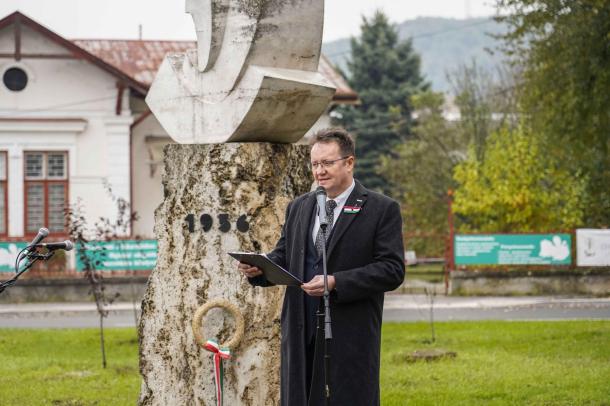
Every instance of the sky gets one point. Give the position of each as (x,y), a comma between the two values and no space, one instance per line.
(166,19)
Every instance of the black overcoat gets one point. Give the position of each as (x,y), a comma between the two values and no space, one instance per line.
(366,256)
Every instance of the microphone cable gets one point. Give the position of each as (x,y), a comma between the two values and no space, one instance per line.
(11,282)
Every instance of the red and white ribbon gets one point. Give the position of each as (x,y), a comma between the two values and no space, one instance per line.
(219,355)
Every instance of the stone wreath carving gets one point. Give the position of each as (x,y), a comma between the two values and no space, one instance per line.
(230,308)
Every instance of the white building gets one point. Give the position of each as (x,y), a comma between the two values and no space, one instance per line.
(73,122)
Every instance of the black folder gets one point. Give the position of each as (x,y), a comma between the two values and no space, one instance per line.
(272,271)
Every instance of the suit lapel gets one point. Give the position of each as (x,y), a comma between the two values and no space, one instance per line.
(356,199)
(304,230)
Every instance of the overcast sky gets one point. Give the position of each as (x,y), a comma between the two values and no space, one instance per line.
(165,19)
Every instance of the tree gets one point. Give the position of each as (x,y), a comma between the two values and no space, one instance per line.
(563,50)
(421,172)
(516,188)
(105,230)
(486,101)
(386,73)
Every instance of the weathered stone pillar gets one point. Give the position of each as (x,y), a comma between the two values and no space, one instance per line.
(218,198)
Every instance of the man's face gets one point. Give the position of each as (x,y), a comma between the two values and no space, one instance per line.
(335,177)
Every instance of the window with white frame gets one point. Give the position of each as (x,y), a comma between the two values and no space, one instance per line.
(46,191)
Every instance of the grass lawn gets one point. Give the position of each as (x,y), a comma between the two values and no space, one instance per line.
(497,363)
(64,367)
(432,273)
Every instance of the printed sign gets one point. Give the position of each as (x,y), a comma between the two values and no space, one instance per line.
(119,255)
(513,249)
(8,255)
(592,247)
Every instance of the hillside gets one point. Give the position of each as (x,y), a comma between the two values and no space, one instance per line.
(443,44)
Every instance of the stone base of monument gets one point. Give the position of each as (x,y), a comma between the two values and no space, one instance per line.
(218,198)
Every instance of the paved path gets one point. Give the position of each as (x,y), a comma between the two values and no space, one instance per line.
(417,308)
(397,307)
(65,315)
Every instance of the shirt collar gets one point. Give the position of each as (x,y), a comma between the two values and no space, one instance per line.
(342,198)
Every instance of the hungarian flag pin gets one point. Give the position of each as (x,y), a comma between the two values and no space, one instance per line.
(351,209)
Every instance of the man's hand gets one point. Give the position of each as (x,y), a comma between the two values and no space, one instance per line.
(315,287)
(249,270)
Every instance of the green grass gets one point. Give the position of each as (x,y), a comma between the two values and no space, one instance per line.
(497,363)
(432,273)
(426,268)
(64,367)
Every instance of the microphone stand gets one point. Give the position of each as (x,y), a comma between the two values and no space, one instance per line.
(328,334)
(32,257)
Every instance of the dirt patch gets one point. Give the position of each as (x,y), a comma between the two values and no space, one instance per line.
(425,356)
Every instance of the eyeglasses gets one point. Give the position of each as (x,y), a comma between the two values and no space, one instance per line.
(326,164)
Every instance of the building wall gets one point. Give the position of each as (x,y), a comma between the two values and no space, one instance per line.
(148,140)
(324,121)
(68,105)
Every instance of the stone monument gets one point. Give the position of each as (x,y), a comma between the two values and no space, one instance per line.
(253,82)
(253,77)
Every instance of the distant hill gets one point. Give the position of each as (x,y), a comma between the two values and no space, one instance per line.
(443,44)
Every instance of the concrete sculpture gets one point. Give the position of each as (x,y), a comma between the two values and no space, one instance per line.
(253,77)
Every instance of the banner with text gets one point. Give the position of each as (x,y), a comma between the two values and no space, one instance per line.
(8,255)
(119,255)
(513,249)
(592,247)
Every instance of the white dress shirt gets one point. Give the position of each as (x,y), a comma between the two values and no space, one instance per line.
(340,200)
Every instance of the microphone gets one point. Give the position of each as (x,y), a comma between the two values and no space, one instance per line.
(321,198)
(42,233)
(51,246)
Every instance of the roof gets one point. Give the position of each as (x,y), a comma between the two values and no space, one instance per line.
(140,60)
(18,19)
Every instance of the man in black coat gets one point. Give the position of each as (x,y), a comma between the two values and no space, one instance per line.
(365,257)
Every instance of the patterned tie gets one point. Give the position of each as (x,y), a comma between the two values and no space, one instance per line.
(330,215)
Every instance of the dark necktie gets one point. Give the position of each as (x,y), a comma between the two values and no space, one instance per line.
(330,215)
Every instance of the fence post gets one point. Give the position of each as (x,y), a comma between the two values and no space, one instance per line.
(449,255)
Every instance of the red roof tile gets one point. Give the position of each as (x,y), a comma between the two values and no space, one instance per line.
(141,59)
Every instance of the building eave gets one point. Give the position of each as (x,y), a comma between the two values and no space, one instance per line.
(78,52)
